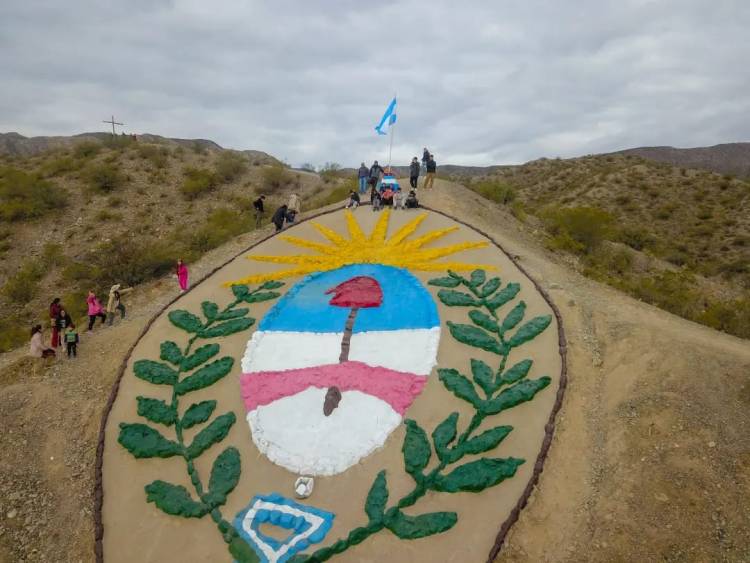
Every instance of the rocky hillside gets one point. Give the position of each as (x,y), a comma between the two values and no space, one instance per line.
(93,211)
(729,158)
(673,236)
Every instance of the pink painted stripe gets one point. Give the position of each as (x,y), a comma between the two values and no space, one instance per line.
(397,388)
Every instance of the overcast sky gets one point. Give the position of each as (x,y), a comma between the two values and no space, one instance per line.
(478,82)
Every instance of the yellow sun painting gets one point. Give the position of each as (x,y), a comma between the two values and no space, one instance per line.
(360,248)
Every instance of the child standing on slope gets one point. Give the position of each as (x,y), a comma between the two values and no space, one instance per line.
(71,340)
(95,309)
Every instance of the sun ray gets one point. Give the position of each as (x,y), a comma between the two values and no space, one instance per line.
(360,248)
(381,228)
(406,230)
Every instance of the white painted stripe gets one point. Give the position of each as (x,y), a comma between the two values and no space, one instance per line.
(408,350)
(294,433)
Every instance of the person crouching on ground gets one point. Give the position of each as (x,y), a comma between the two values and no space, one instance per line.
(114,304)
(293,208)
(36,348)
(279,217)
(398,199)
(71,340)
(411,200)
(353,200)
(414,172)
(95,310)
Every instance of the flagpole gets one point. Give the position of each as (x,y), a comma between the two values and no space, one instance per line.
(390,147)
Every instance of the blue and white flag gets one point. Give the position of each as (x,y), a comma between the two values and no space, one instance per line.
(388,119)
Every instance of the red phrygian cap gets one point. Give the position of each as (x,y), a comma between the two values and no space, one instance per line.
(360,292)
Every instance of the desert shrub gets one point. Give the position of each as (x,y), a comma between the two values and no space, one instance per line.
(732,316)
(307,167)
(606,262)
(198,147)
(14,331)
(22,286)
(118,142)
(330,171)
(25,196)
(673,291)
(335,194)
(587,226)
(518,210)
(114,201)
(104,178)
(5,244)
(75,304)
(230,166)
(80,272)
(274,178)
(157,156)
(86,149)
(106,215)
(220,226)
(52,255)
(198,181)
(60,165)
(636,238)
(130,260)
(497,191)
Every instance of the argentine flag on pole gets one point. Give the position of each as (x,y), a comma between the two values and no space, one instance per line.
(388,119)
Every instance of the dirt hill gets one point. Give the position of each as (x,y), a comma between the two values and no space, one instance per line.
(95,211)
(728,158)
(650,459)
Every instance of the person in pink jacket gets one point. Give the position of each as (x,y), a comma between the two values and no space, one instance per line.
(95,309)
(182,275)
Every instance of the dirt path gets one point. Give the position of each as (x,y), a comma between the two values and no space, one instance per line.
(651,458)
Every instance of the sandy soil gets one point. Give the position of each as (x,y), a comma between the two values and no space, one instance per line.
(650,461)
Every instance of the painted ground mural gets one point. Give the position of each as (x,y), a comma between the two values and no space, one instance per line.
(362,384)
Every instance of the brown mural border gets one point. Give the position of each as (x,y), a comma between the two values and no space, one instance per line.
(549,428)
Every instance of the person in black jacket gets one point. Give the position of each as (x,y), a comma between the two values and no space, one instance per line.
(353,200)
(376,172)
(258,206)
(414,172)
(425,157)
(279,217)
(431,170)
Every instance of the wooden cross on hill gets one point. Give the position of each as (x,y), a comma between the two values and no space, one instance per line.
(113,122)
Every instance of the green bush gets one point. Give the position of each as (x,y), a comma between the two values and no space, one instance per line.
(26,196)
(587,226)
(104,178)
(496,191)
(198,181)
(86,149)
(274,178)
(330,171)
(53,255)
(220,226)
(156,155)
(636,238)
(230,166)
(129,260)
(336,194)
(60,165)
(14,331)
(21,287)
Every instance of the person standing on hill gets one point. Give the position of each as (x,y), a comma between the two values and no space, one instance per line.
(413,172)
(375,172)
(71,341)
(258,206)
(182,275)
(431,170)
(54,311)
(425,157)
(278,218)
(94,310)
(362,175)
(293,208)
(114,304)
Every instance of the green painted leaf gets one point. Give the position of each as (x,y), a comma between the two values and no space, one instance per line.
(482,320)
(272,285)
(377,498)
(175,500)
(197,413)
(210,309)
(474,336)
(454,298)
(261,296)
(185,320)
(530,330)
(225,474)
(413,527)
(227,328)
(484,376)
(201,355)
(154,372)
(211,434)
(416,449)
(170,352)
(486,440)
(514,317)
(490,287)
(503,296)
(516,373)
(207,375)
(143,441)
(459,385)
(240,291)
(512,396)
(240,549)
(444,434)
(445,282)
(478,475)
(477,278)
(233,314)
(156,410)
